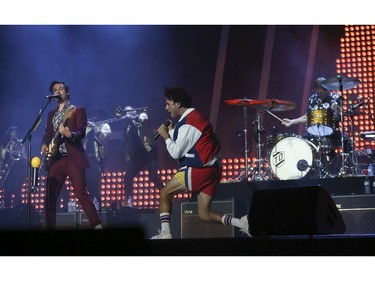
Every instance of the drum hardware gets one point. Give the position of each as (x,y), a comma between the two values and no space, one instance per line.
(288,156)
(340,83)
(260,170)
(355,168)
(317,164)
(351,113)
(302,165)
(320,122)
(244,103)
(368,135)
(266,104)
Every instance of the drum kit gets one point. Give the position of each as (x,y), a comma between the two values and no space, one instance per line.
(294,157)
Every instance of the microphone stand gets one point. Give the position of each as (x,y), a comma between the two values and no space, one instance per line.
(100,146)
(28,138)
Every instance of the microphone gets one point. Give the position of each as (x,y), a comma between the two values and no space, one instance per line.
(57,97)
(358,105)
(166,123)
(35,164)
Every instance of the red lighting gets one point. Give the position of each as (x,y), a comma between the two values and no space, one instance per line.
(362,37)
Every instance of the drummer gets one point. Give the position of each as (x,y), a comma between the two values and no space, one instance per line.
(321,99)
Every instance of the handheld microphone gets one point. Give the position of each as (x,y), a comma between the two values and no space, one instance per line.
(57,97)
(166,123)
(35,164)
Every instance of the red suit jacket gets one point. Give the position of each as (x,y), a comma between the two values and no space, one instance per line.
(77,124)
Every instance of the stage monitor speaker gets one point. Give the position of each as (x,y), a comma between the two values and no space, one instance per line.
(74,220)
(294,211)
(192,227)
(64,221)
(358,212)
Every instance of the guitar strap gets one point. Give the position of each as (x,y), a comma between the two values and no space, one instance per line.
(66,113)
(70,108)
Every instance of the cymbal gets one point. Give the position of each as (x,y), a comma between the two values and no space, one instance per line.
(280,105)
(334,83)
(268,104)
(239,102)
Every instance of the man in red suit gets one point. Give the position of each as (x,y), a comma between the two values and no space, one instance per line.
(65,156)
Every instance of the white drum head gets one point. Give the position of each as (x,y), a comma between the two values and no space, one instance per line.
(320,130)
(287,155)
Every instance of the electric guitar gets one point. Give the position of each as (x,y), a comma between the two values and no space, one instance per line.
(50,157)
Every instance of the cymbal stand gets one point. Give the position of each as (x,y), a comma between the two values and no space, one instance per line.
(246,145)
(244,172)
(356,168)
(261,171)
(348,165)
(259,131)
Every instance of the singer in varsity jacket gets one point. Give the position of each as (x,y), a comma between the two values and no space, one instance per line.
(195,146)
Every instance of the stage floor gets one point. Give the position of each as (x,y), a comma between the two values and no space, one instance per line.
(129,242)
(127,231)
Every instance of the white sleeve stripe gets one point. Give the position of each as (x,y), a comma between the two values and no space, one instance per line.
(187,137)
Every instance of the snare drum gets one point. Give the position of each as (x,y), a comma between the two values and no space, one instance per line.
(292,158)
(320,122)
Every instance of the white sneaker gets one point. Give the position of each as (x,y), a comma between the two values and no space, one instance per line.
(98,227)
(162,235)
(245,225)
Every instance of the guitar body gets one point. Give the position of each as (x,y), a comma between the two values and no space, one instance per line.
(50,157)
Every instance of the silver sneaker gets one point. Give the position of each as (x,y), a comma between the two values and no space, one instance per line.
(245,225)
(162,235)
(98,227)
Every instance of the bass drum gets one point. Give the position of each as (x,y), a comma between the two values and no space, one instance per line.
(292,158)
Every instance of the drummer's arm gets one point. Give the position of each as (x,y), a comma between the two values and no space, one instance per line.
(289,122)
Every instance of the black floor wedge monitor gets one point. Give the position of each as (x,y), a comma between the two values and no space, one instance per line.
(294,211)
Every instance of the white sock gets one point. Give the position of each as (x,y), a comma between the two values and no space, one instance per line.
(229,220)
(165,220)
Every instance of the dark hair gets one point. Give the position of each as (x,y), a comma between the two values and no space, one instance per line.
(12,128)
(54,82)
(6,136)
(318,83)
(178,95)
